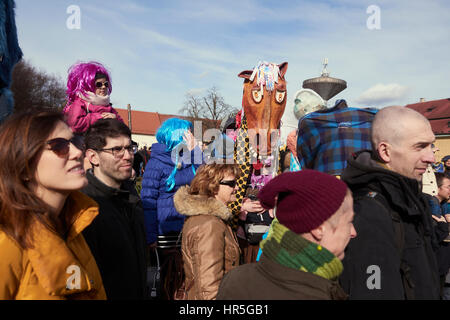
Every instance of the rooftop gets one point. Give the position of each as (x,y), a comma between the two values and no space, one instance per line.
(147,123)
(437,112)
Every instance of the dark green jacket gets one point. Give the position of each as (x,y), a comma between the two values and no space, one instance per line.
(269,280)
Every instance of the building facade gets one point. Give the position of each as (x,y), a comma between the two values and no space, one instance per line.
(145,124)
(438,113)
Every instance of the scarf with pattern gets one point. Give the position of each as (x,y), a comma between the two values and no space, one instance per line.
(293,251)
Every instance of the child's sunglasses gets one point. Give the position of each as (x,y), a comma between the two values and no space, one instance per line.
(61,146)
(100,84)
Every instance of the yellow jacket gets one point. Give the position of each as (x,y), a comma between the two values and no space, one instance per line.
(54,269)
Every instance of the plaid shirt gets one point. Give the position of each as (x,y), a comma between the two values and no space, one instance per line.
(327,138)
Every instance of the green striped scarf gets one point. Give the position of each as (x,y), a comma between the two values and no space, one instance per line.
(293,251)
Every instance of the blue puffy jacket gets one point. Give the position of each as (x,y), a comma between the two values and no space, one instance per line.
(159,211)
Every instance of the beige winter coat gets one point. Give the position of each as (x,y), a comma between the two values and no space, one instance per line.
(209,246)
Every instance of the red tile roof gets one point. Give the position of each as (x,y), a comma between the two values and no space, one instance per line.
(145,122)
(437,112)
(148,123)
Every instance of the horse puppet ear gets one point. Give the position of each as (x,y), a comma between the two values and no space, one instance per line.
(283,68)
(248,73)
(245,74)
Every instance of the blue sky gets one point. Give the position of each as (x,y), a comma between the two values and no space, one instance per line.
(157,51)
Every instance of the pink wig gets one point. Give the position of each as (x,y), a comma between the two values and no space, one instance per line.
(81,79)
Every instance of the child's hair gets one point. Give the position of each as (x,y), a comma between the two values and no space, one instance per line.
(82,76)
(171,134)
(440,176)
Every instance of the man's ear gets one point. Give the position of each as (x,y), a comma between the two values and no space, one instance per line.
(384,151)
(318,232)
(93,157)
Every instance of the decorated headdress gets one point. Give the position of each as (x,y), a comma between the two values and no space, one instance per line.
(266,75)
(81,79)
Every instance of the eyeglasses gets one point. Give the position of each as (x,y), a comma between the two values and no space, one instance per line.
(61,146)
(118,152)
(100,84)
(230,183)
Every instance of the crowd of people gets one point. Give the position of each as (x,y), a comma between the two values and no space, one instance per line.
(73,225)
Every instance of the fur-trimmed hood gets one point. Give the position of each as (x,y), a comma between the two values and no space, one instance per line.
(193,205)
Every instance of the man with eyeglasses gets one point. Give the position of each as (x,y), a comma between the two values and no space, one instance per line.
(116,237)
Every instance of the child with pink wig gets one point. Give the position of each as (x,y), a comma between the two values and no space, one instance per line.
(88,91)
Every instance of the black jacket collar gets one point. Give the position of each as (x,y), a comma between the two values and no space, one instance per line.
(97,188)
(363,172)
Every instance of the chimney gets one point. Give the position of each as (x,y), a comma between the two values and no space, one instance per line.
(129,116)
(422,100)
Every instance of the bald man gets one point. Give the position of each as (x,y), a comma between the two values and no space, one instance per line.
(393,256)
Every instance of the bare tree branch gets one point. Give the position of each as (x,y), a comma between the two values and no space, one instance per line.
(192,106)
(211,106)
(35,89)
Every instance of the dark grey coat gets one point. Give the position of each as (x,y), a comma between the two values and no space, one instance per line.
(375,250)
(269,280)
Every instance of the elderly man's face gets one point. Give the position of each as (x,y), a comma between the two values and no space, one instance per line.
(339,229)
(412,153)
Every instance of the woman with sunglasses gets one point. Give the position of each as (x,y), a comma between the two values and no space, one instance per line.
(88,91)
(43,254)
(209,246)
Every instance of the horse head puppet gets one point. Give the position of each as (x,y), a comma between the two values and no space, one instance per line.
(264,101)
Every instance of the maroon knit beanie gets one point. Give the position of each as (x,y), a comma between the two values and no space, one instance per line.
(306,198)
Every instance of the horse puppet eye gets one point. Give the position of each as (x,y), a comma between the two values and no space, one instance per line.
(257,95)
(279,96)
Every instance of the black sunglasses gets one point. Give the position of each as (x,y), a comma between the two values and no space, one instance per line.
(100,84)
(61,146)
(230,183)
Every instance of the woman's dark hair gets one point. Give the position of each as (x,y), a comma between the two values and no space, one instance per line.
(440,176)
(95,137)
(22,140)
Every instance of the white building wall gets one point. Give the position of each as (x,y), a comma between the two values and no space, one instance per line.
(143,140)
